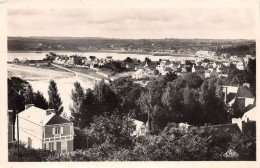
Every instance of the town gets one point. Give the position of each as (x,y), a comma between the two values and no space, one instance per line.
(183,102)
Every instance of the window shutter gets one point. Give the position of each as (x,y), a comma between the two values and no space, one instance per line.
(53,131)
(61,130)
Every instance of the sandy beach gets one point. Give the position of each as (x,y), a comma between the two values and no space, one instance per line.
(39,79)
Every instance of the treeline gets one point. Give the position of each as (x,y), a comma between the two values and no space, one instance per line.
(93,44)
(239,50)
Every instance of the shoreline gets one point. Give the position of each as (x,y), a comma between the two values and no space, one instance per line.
(110,51)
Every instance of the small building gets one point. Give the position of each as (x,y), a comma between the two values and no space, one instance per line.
(140,74)
(43,129)
(241,94)
(76,60)
(108,59)
(16,60)
(39,63)
(240,65)
(140,128)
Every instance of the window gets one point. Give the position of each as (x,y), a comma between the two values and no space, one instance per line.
(44,146)
(57,130)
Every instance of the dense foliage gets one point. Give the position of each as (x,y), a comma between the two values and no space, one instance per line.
(27,154)
(239,50)
(173,144)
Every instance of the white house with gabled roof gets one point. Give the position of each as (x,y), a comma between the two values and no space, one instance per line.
(43,129)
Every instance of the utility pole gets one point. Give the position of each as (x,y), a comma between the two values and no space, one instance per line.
(17,135)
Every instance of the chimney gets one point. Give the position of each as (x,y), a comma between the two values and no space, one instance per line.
(49,111)
(28,106)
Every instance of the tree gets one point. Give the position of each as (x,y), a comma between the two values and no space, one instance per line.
(77,96)
(128,60)
(251,67)
(54,98)
(28,94)
(90,108)
(156,72)
(108,100)
(39,100)
(122,86)
(212,104)
(148,60)
(112,129)
(170,76)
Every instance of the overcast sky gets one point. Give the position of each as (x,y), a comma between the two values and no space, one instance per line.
(220,23)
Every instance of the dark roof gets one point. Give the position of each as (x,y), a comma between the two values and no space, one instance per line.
(224,69)
(175,67)
(200,69)
(230,97)
(152,65)
(167,62)
(243,91)
(222,129)
(214,73)
(249,107)
(57,120)
(168,69)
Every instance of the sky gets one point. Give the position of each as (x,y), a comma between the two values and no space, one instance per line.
(134,23)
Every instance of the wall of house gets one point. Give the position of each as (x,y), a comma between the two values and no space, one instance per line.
(48,130)
(70,145)
(30,130)
(249,101)
(249,128)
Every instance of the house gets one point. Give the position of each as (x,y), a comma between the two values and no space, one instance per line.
(204,64)
(233,58)
(140,128)
(16,60)
(140,74)
(43,129)
(241,94)
(108,59)
(247,58)
(240,65)
(193,69)
(245,125)
(10,126)
(250,115)
(76,60)
(39,63)
(226,63)
(198,69)
(150,66)
(238,126)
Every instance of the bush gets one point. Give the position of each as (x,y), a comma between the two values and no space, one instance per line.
(27,154)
